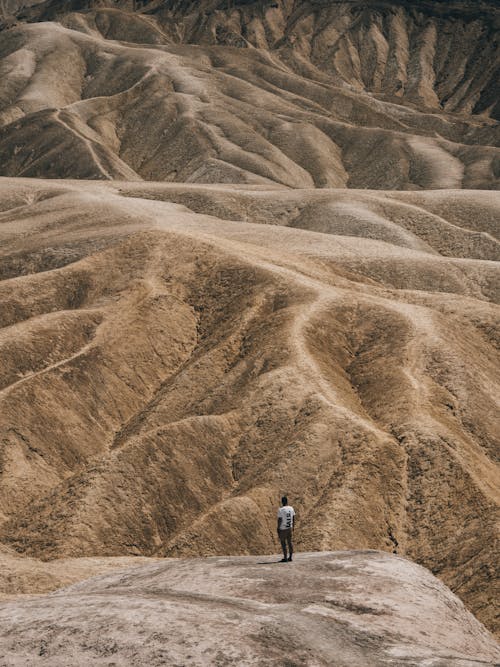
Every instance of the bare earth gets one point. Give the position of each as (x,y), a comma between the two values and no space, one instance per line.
(338,609)
(169,374)
(400,95)
(249,251)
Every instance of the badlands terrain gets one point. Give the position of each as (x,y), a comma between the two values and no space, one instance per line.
(247,249)
(382,95)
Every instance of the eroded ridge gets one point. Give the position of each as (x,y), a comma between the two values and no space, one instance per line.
(166,374)
(302,94)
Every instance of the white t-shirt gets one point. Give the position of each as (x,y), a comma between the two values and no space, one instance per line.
(286,514)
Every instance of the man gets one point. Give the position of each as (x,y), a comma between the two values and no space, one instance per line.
(286,523)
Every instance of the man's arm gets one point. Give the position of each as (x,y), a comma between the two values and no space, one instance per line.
(279,524)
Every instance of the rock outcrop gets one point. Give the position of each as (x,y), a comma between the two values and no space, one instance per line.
(332,609)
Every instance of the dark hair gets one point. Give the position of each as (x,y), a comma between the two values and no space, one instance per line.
(284,500)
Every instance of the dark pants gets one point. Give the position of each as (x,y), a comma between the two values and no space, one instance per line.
(286,538)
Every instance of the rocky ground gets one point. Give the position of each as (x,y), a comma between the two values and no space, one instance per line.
(338,609)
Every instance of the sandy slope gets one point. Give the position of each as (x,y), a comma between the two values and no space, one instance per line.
(168,374)
(338,609)
(23,576)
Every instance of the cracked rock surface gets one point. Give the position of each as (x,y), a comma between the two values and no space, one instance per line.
(361,608)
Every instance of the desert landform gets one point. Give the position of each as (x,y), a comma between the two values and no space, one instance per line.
(247,249)
(361,608)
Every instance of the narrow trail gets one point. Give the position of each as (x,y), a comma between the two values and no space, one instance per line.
(309,367)
(15,385)
(133,426)
(32,326)
(323,297)
(87,142)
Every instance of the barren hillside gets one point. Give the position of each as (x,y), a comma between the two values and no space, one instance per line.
(325,94)
(275,269)
(167,374)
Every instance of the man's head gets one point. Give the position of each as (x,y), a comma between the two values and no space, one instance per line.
(284,501)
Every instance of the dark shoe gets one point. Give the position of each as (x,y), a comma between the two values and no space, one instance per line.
(290,558)
(283,560)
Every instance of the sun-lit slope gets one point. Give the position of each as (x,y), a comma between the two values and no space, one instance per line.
(439,54)
(362,608)
(166,374)
(21,575)
(436,54)
(332,97)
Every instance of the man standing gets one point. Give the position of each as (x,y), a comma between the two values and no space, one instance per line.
(286,523)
